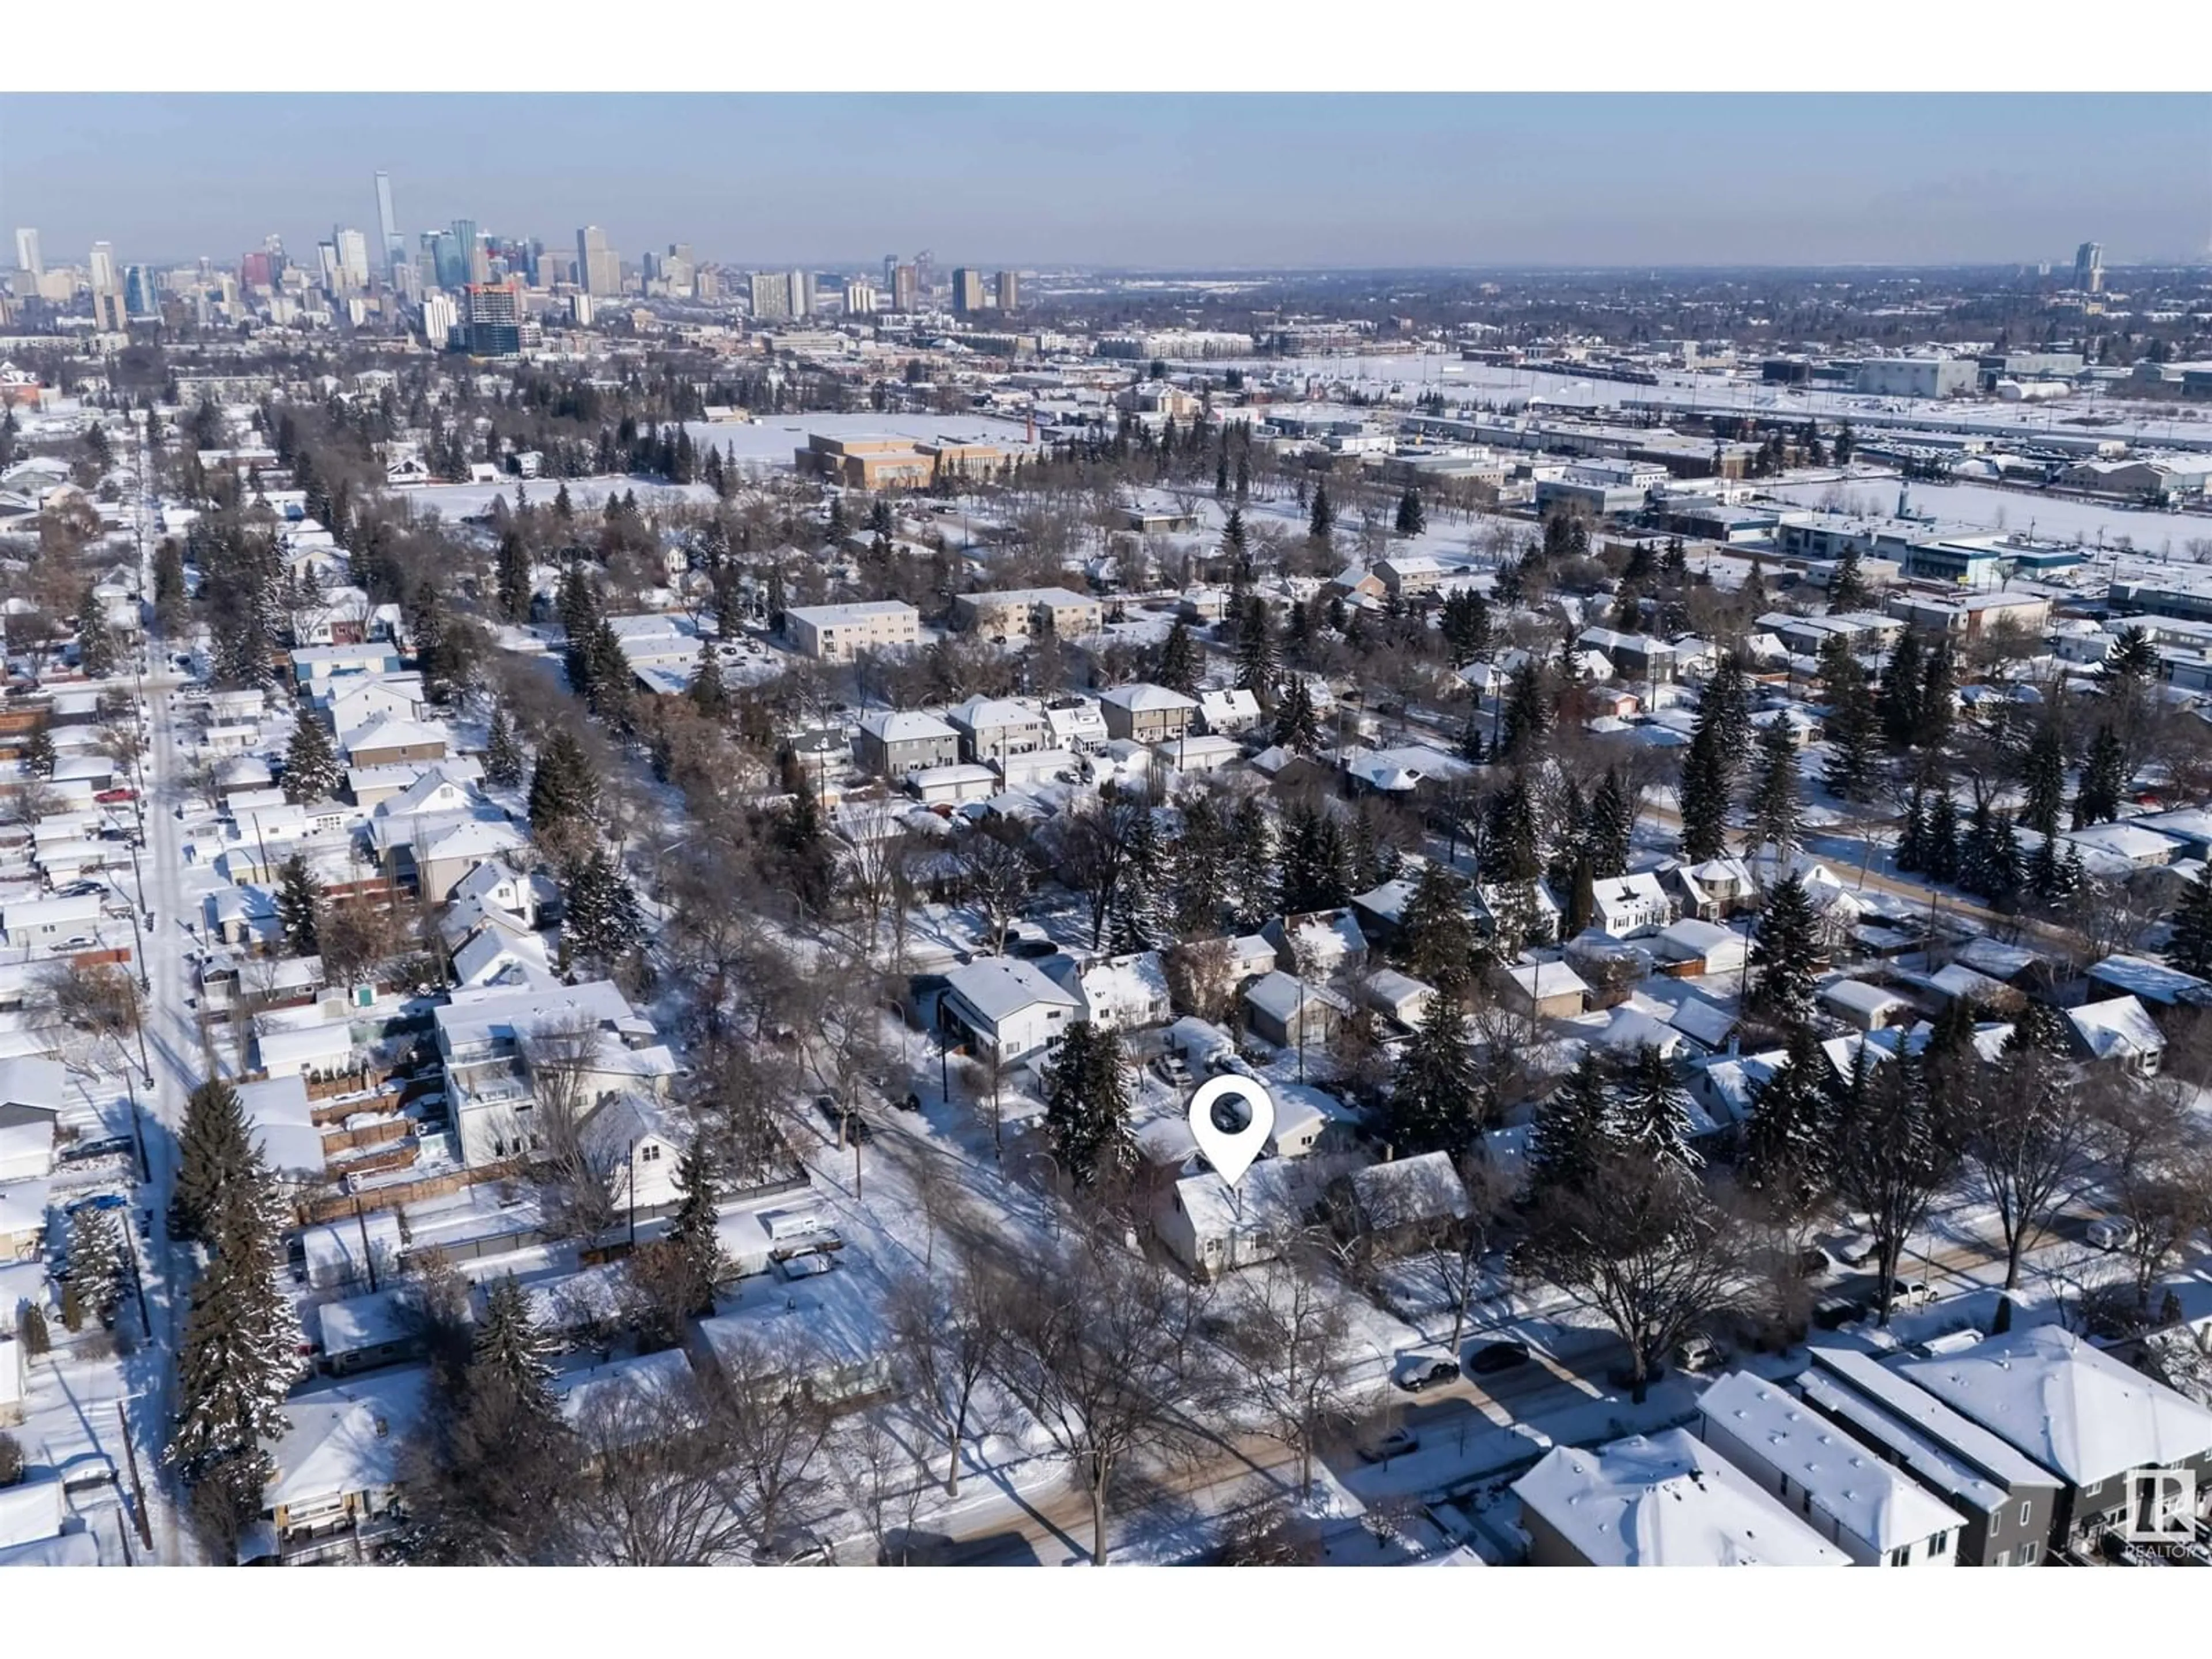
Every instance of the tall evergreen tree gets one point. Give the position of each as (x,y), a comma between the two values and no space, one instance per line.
(299,905)
(96,1264)
(312,772)
(1252,853)
(1777,808)
(1141,916)
(239,1356)
(1437,935)
(1651,1109)
(1787,947)
(214,1150)
(1297,727)
(1904,682)
(1178,666)
(96,642)
(1529,711)
(1611,826)
(563,789)
(1787,1135)
(514,580)
(1940,854)
(1323,519)
(1571,1130)
(2104,780)
(502,755)
(1087,1106)
(1412,518)
(2043,770)
(707,693)
(1432,1093)
(1847,587)
(1853,727)
(2189,949)
(1257,662)
(1702,792)
(601,922)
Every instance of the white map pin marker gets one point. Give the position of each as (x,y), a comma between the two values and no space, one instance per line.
(1231,1117)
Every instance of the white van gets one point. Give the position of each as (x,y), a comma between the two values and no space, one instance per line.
(2113,1233)
(791,1224)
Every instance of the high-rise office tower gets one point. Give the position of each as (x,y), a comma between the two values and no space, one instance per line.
(390,246)
(598,267)
(457,255)
(1010,291)
(859,299)
(682,251)
(903,287)
(890,272)
(771,295)
(967,291)
(140,297)
(353,257)
(326,267)
(802,293)
(103,266)
(440,316)
(925,274)
(26,253)
(495,318)
(2089,267)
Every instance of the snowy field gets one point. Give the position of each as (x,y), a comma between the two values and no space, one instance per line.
(1412,373)
(2163,535)
(452,502)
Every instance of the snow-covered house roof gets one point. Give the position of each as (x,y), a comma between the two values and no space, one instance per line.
(905,725)
(345,1439)
(2069,1406)
(2152,981)
(1866,1496)
(1000,987)
(2118,1028)
(1410,1191)
(277,1113)
(1666,1500)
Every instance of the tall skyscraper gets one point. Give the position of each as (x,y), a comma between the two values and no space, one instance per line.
(2089,267)
(390,246)
(457,257)
(904,290)
(859,299)
(771,296)
(890,272)
(27,257)
(140,298)
(967,291)
(327,274)
(495,319)
(1010,290)
(598,267)
(802,293)
(440,316)
(103,266)
(353,257)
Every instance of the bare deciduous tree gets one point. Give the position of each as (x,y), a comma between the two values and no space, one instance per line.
(947,1339)
(1095,1353)
(1291,1342)
(1643,1248)
(577,1170)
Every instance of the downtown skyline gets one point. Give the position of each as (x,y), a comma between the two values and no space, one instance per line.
(1137,181)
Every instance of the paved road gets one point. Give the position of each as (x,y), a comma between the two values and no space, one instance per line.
(172,1039)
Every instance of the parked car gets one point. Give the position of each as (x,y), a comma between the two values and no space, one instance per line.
(1855,1250)
(1834,1312)
(1495,1356)
(97,1201)
(1910,1290)
(842,1123)
(1697,1352)
(2111,1233)
(1397,1444)
(115,797)
(1426,1372)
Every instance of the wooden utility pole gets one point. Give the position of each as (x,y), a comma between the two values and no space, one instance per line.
(137,1488)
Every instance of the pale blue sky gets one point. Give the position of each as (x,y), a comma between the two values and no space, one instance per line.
(1139,179)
